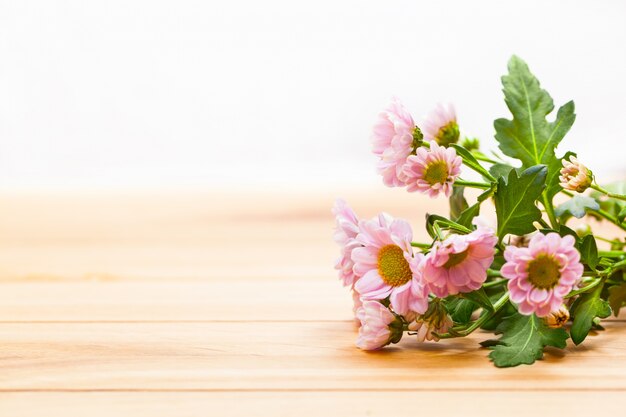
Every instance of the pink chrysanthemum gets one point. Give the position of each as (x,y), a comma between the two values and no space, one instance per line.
(543,273)
(460,262)
(346,230)
(379,326)
(356,305)
(432,171)
(441,126)
(574,175)
(392,141)
(387,266)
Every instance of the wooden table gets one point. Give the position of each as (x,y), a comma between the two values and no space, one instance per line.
(226,304)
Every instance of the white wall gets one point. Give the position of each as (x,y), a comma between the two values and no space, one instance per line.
(174,93)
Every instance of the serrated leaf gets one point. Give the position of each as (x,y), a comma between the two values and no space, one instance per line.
(458,203)
(515,201)
(553,185)
(589,251)
(523,339)
(585,309)
(617,298)
(529,137)
(577,206)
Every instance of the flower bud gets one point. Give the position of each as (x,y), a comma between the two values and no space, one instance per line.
(583,230)
(435,321)
(575,176)
(471,144)
(557,318)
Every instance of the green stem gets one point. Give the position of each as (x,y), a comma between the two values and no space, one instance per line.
(421,245)
(494,273)
(610,218)
(613,242)
(608,193)
(481,157)
(584,289)
(547,204)
(495,283)
(481,185)
(611,253)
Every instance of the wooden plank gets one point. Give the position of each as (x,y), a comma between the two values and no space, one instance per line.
(303,404)
(255,299)
(280,355)
(164,301)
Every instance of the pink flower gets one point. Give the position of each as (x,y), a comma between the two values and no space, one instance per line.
(393,142)
(346,229)
(574,175)
(379,326)
(460,262)
(356,305)
(432,171)
(441,126)
(387,266)
(543,273)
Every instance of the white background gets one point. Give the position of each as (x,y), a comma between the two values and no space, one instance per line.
(281,93)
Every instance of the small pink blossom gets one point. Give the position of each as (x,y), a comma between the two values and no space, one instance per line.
(432,171)
(543,273)
(346,230)
(376,328)
(386,265)
(574,175)
(392,141)
(460,262)
(441,126)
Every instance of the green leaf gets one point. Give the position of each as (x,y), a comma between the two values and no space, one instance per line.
(529,137)
(589,251)
(523,339)
(585,309)
(617,298)
(461,309)
(466,217)
(577,206)
(515,201)
(500,170)
(458,203)
(479,297)
(553,185)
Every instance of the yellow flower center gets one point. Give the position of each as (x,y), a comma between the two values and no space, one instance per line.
(455,258)
(448,134)
(393,267)
(436,172)
(544,272)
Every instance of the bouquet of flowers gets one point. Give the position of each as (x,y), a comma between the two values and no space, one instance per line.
(525,278)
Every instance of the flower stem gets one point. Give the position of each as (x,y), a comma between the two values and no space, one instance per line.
(608,193)
(547,204)
(611,253)
(609,217)
(421,245)
(481,185)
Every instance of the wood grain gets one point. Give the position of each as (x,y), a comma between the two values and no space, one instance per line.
(184,303)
